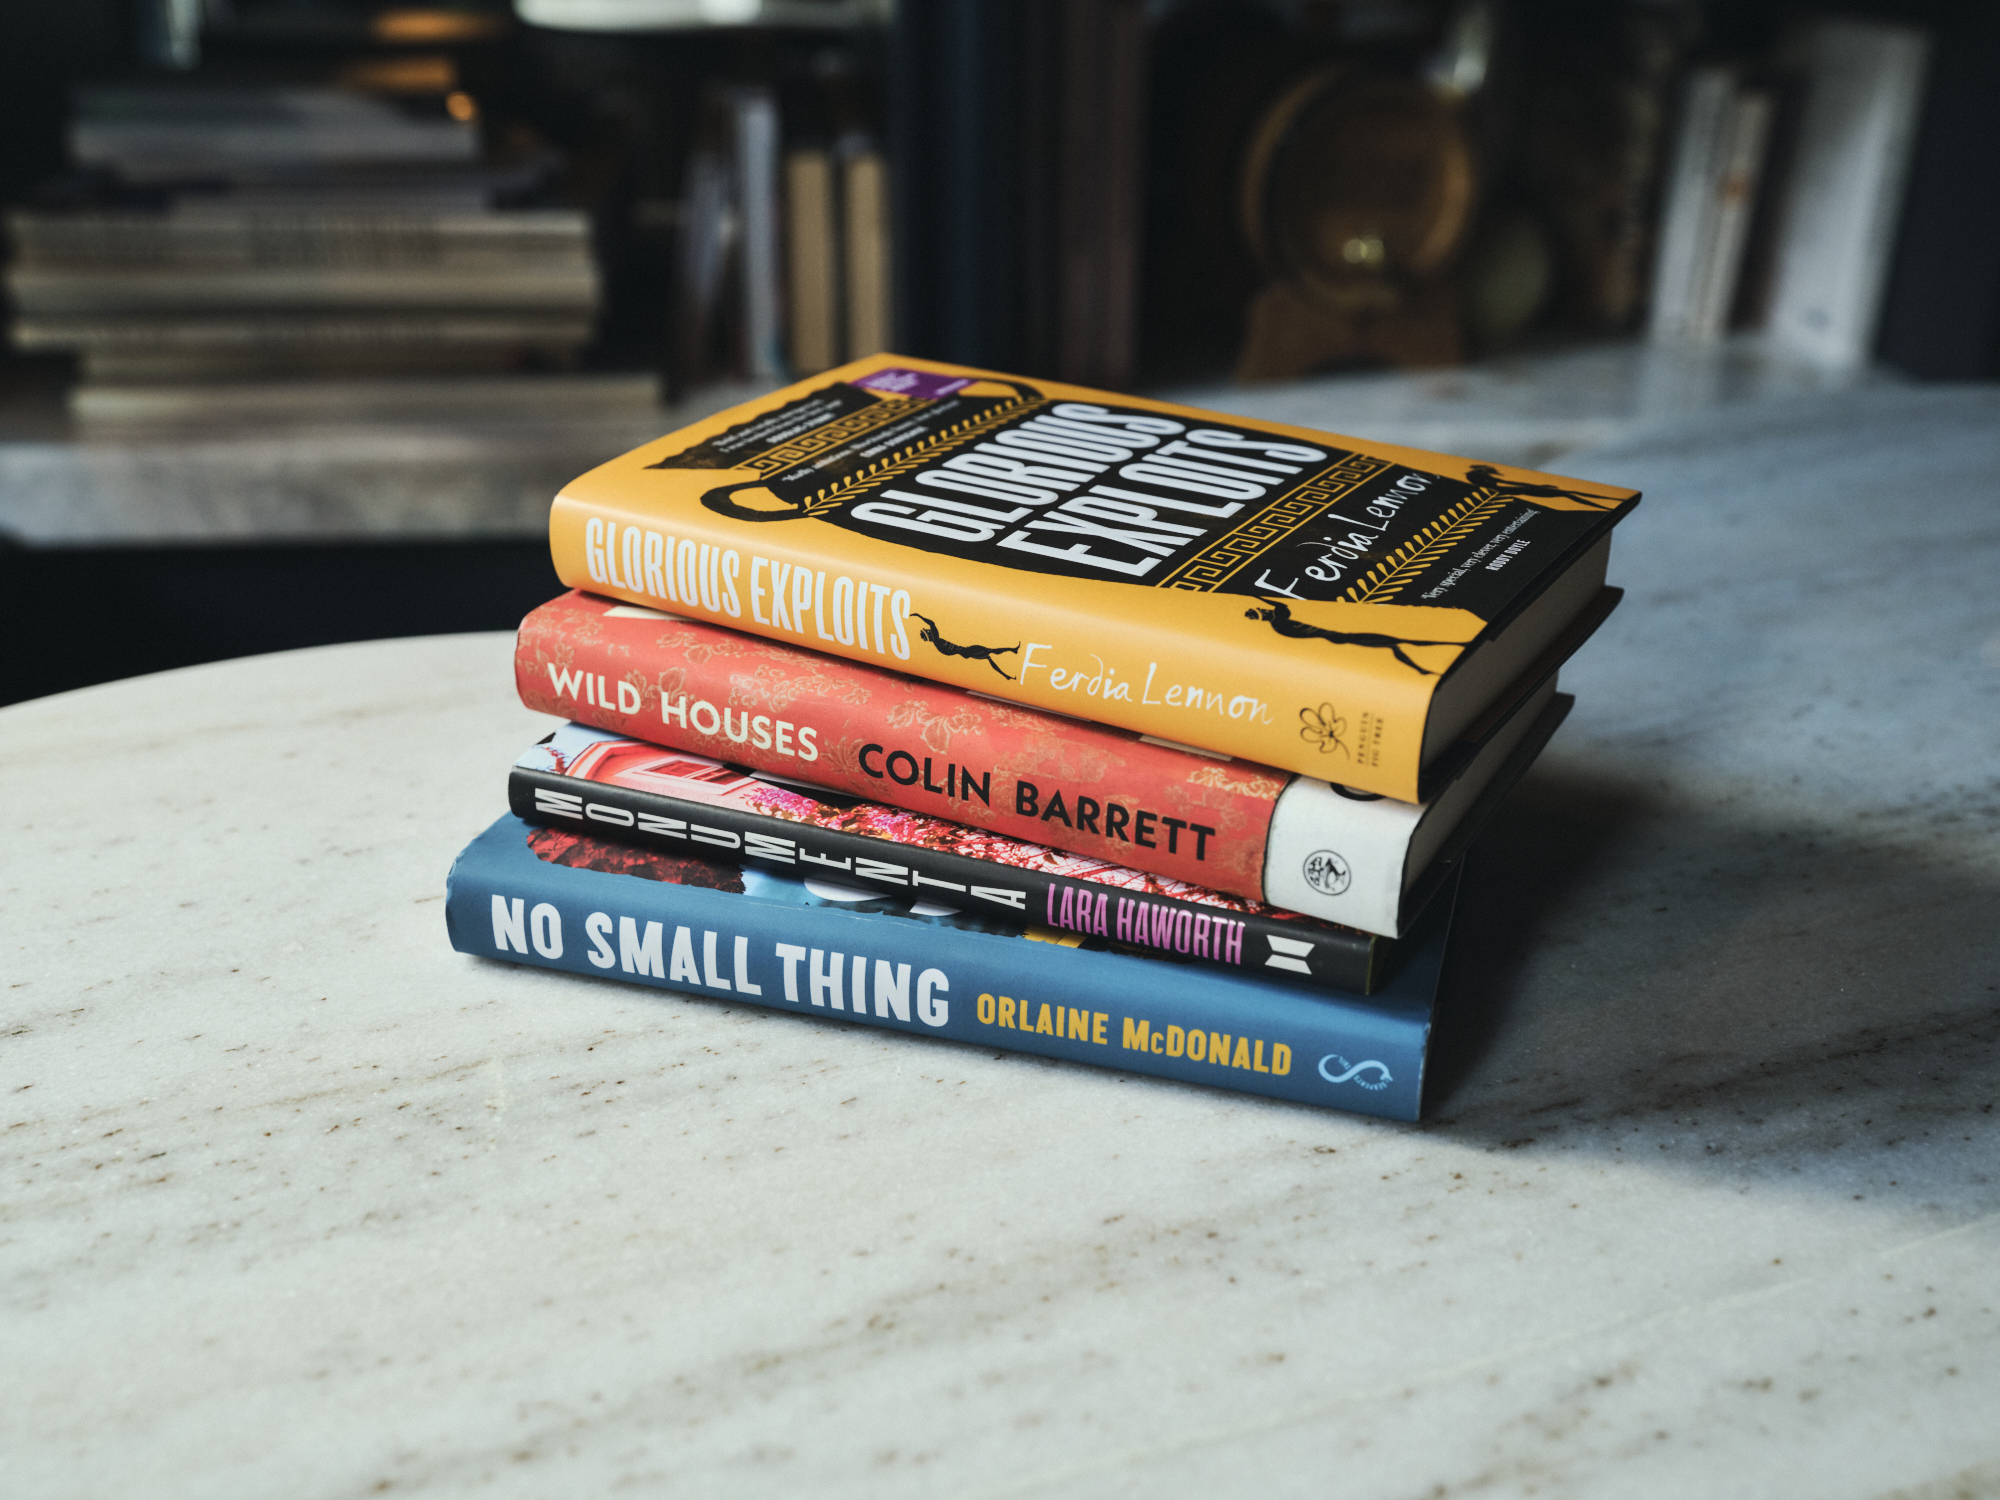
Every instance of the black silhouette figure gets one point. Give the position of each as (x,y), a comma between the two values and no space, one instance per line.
(929,635)
(1279,617)
(1479,476)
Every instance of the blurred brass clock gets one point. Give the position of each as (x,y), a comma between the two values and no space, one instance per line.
(1355,185)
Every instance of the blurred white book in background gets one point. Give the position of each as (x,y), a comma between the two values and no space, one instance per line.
(690,15)
(1687,220)
(1734,197)
(755,113)
(1865,86)
(1711,191)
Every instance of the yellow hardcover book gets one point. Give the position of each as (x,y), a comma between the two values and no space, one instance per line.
(1349,610)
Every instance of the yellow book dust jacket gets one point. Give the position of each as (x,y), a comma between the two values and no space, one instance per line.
(1310,601)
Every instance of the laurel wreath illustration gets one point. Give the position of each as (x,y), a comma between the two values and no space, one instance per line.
(1401,567)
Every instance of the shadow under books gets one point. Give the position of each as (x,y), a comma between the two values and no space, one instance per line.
(1681,984)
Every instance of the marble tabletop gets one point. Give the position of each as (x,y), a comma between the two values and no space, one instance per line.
(479,457)
(298,1201)
(329,461)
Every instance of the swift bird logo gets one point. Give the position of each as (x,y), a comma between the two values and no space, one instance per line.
(1278,615)
(1322,727)
(1353,1071)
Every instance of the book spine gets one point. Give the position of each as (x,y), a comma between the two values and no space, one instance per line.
(811,306)
(865,231)
(1300,949)
(1105,1009)
(399,242)
(756,118)
(227,332)
(39,290)
(1039,777)
(1736,192)
(1688,225)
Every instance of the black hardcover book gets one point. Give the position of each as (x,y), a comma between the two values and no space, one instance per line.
(595,781)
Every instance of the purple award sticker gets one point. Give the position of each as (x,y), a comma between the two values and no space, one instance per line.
(915,383)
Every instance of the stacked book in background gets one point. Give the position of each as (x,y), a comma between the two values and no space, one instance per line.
(1784,192)
(1022,714)
(218,234)
(783,236)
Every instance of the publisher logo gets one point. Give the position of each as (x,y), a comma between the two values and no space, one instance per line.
(1327,873)
(1370,1075)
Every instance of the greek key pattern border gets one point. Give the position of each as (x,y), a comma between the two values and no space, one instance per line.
(855,424)
(1212,568)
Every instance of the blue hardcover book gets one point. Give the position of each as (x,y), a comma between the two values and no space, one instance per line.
(564,900)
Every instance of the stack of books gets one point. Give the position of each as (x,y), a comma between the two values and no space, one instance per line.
(224,234)
(933,700)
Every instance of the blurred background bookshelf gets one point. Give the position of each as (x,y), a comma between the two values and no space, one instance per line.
(313,304)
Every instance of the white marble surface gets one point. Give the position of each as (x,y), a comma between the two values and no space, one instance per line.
(1536,407)
(476,457)
(328,460)
(294,1200)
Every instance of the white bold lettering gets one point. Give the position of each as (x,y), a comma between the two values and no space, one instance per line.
(683,969)
(933,1010)
(545,930)
(826,979)
(637,954)
(892,990)
(597,927)
(793,956)
(510,928)
(899,610)
(743,984)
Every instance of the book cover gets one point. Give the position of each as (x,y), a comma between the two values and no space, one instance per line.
(595,781)
(1233,826)
(723,930)
(1325,605)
